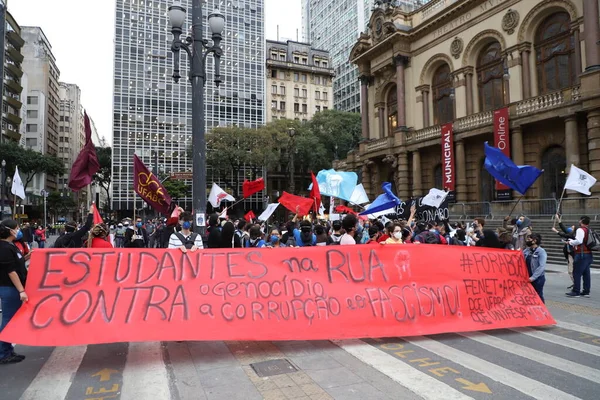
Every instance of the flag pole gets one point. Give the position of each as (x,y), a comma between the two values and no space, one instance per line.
(558,207)
(515,206)
(134,201)
(15,207)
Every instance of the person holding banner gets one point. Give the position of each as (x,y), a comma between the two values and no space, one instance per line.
(275,239)
(229,237)
(396,237)
(13,275)
(186,239)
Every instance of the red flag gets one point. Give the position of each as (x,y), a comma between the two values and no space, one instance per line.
(345,210)
(250,216)
(301,205)
(97,217)
(315,192)
(86,164)
(249,188)
(149,188)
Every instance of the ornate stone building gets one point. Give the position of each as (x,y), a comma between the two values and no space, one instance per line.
(444,69)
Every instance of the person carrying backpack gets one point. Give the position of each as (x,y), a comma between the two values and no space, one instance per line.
(255,238)
(73,238)
(583,243)
(186,239)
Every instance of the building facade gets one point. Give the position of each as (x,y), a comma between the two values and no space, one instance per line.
(12,102)
(152,114)
(299,81)
(434,80)
(43,104)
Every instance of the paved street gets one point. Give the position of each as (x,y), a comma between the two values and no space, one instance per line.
(561,362)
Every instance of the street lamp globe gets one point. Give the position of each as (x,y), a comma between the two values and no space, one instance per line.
(3,163)
(177,15)
(216,22)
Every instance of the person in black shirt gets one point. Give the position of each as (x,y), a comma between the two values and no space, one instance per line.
(136,237)
(214,232)
(13,275)
(73,237)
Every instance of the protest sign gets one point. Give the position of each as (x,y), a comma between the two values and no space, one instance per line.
(424,212)
(90,296)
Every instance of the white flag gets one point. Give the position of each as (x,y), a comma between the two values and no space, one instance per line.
(321,209)
(217,195)
(435,198)
(579,181)
(268,212)
(359,196)
(17,185)
(223,214)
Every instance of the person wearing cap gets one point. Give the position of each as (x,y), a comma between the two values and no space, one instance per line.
(73,237)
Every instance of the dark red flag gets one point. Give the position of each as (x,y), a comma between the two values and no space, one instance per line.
(149,188)
(297,204)
(250,216)
(315,192)
(249,188)
(345,210)
(86,164)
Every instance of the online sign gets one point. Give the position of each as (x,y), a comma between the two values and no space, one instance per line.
(85,296)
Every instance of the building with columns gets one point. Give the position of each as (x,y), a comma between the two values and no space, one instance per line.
(434,80)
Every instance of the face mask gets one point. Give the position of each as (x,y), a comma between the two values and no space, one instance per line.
(19,234)
(569,230)
(274,239)
(412,224)
(529,243)
(398,235)
(186,225)
(519,222)
(139,224)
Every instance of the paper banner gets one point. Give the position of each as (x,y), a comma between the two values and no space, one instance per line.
(90,296)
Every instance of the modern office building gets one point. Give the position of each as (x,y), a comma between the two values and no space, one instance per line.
(43,104)
(440,81)
(152,114)
(299,81)
(13,92)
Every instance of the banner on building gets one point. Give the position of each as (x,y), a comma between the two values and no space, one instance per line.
(448,168)
(502,142)
(92,296)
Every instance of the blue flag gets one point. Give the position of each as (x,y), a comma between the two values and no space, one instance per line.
(504,170)
(337,183)
(384,202)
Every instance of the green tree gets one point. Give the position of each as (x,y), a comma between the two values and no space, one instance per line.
(29,162)
(177,189)
(103,177)
(59,204)
(338,132)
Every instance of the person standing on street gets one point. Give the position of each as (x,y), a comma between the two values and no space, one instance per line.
(535,258)
(349,225)
(27,234)
(186,239)
(567,233)
(13,275)
(120,236)
(151,230)
(40,232)
(73,237)
(98,238)
(582,261)
(136,237)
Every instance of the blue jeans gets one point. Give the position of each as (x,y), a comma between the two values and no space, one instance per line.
(581,269)
(11,302)
(538,285)
(42,244)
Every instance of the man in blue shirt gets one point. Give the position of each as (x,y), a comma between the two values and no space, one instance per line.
(536,257)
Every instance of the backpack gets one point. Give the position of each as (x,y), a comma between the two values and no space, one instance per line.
(65,241)
(428,238)
(593,240)
(189,242)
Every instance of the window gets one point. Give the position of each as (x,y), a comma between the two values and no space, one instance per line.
(67,119)
(31,128)
(32,100)
(392,110)
(274,89)
(296,92)
(282,105)
(318,95)
(281,75)
(274,104)
(325,108)
(304,108)
(297,59)
(296,77)
(317,63)
(303,80)
(274,56)
(62,117)
(282,90)
(324,95)
(304,60)
(554,49)
(490,71)
(296,107)
(304,93)
(317,80)
(282,56)
(443,107)
(273,73)
(324,64)
(32,113)
(31,142)
(317,108)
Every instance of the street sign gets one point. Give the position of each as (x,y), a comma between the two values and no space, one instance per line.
(182,176)
(21,216)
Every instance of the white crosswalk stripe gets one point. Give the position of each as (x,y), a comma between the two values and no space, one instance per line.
(578,328)
(563,341)
(145,375)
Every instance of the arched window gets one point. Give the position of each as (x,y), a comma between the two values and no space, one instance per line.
(554,50)
(443,107)
(554,163)
(437,177)
(392,110)
(490,71)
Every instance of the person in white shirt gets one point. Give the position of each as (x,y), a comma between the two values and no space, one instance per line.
(582,261)
(349,225)
(186,239)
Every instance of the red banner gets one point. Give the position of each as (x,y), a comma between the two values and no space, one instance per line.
(89,296)
(448,172)
(502,137)
(249,188)
(250,216)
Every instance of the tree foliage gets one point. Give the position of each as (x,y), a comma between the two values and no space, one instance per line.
(103,177)
(29,162)
(59,204)
(177,189)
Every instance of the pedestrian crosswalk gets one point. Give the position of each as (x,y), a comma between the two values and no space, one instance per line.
(561,362)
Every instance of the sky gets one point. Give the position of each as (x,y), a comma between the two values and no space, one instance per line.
(81,33)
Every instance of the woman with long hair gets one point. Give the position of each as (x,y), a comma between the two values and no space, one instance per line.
(98,237)
(229,239)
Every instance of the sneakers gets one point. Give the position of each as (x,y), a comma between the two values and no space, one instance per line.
(570,287)
(573,294)
(585,294)
(12,359)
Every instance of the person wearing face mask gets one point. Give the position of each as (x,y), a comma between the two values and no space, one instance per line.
(13,275)
(275,239)
(22,245)
(255,239)
(396,237)
(73,237)
(136,237)
(186,239)
(567,233)
(520,230)
(535,258)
